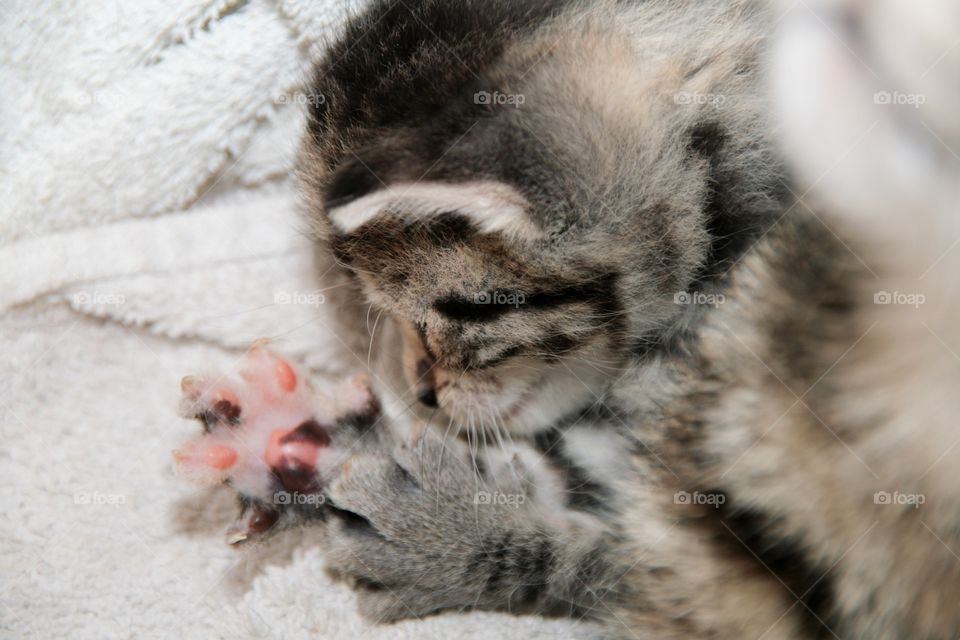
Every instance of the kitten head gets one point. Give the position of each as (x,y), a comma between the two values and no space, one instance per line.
(500,324)
(511,190)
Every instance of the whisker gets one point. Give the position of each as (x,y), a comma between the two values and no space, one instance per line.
(443,448)
(372,334)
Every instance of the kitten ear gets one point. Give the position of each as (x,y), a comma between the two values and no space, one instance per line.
(492,207)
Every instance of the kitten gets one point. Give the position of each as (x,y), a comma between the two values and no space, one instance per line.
(538,198)
(584,247)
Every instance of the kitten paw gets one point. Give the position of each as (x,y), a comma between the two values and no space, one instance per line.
(412,533)
(270,436)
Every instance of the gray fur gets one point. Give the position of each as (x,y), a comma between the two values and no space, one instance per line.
(747,403)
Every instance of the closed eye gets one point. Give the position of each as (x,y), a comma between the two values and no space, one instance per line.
(352,181)
(485,306)
(480,309)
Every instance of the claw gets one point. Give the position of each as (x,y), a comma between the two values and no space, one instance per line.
(259,343)
(255,519)
(235,536)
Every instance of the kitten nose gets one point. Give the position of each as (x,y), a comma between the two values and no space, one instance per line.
(428,396)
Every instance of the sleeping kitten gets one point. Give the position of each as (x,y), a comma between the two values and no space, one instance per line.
(583,253)
(541,201)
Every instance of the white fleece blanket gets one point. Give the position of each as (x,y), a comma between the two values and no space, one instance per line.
(148,229)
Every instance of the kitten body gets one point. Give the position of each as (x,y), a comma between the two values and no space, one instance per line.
(573,220)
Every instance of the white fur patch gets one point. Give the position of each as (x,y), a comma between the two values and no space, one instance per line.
(493,206)
(599,451)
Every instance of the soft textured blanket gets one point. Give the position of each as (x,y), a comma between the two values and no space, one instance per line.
(148,229)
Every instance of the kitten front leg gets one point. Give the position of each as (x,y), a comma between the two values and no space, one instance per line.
(414,527)
(419,528)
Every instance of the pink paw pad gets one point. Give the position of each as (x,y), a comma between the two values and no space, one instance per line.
(265,431)
(292,455)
